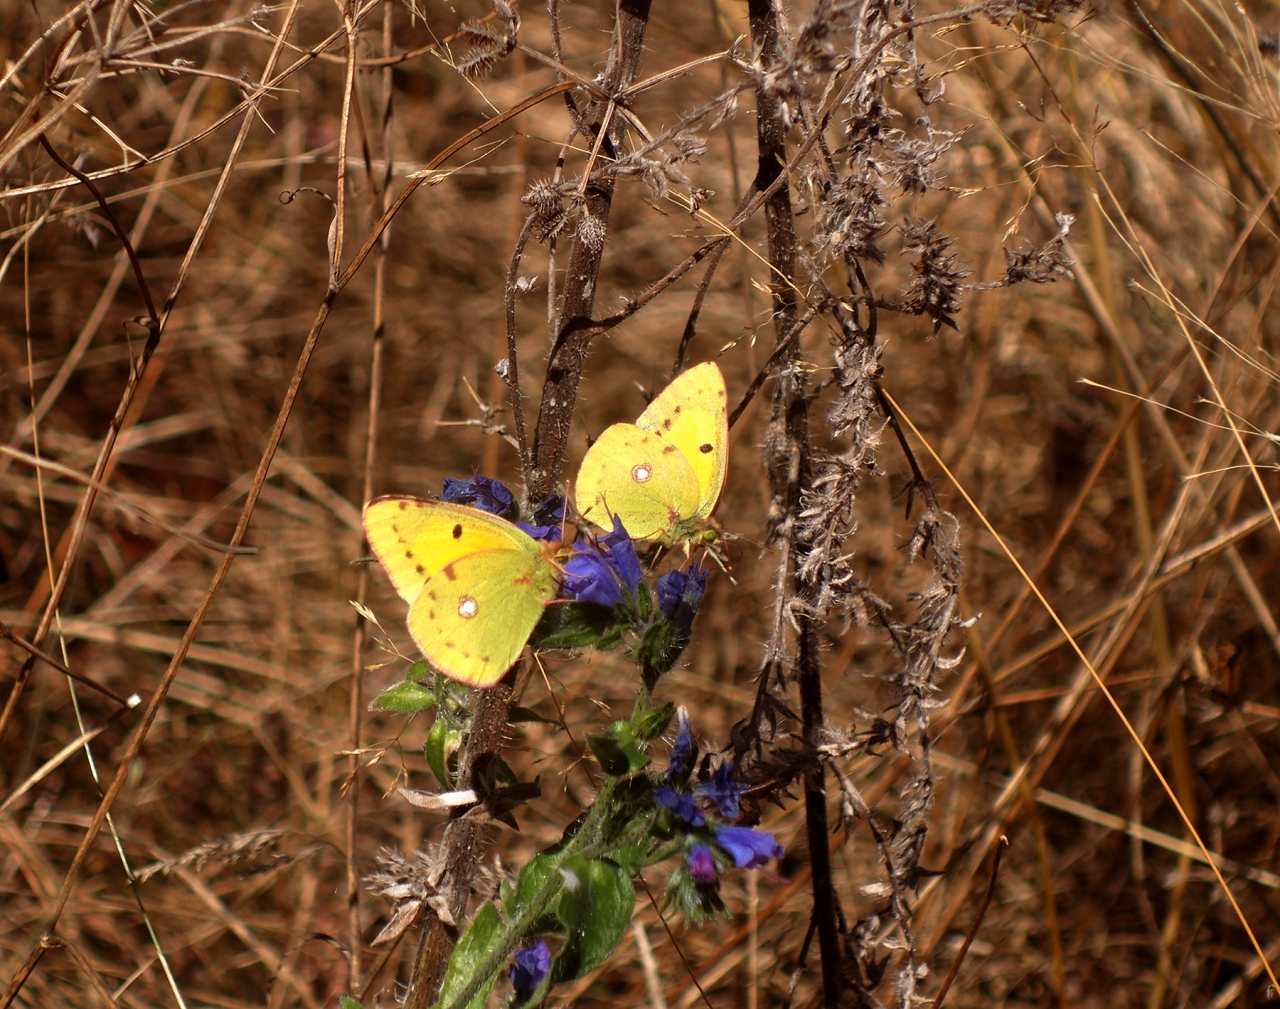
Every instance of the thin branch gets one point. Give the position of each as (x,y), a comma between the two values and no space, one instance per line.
(977,922)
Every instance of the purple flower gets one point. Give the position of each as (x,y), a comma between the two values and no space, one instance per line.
(605,572)
(680,803)
(621,554)
(721,790)
(589,579)
(702,866)
(551,511)
(747,847)
(531,965)
(549,533)
(682,748)
(482,492)
(548,519)
(679,593)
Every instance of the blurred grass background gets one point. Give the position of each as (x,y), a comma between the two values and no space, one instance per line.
(1154,126)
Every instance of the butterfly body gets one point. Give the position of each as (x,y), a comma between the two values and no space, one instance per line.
(476,584)
(663,475)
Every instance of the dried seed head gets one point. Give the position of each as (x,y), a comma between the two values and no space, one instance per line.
(547,201)
(591,232)
(936,276)
(1043,264)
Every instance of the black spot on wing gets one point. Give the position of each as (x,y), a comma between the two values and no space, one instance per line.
(421,570)
(457,531)
(706,447)
(403,505)
(450,573)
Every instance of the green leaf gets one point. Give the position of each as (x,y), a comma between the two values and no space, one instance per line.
(442,743)
(406,698)
(653,723)
(533,877)
(595,908)
(618,750)
(577,625)
(347,1002)
(418,672)
(469,955)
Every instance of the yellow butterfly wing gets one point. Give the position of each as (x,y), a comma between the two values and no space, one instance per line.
(642,478)
(476,584)
(413,539)
(473,618)
(692,413)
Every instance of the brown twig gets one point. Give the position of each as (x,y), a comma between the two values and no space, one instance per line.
(153,321)
(573,340)
(88,681)
(379,195)
(973,929)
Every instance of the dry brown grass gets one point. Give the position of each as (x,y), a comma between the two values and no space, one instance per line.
(253,735)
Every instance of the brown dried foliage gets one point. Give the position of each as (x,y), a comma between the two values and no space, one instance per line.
(1155,132)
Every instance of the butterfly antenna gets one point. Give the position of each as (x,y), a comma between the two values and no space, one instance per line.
(564,512)
(721,562)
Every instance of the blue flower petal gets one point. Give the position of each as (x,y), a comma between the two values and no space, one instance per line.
(588,578)
(551,512)
(748,847)
(682,748)
(722,790)
(482,492)
(702,866)
(680,803)
(679,593)
(531,965)
(620,551)
(549,533)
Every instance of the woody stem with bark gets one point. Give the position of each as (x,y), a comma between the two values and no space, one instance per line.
(790,466)
(463,840)
(573,340)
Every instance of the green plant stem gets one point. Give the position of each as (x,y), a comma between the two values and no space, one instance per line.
(641,707)
(581,843)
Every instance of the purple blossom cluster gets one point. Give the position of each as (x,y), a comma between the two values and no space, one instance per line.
(747,847)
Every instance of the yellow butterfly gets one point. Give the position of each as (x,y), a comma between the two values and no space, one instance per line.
(662,476)
(475,584)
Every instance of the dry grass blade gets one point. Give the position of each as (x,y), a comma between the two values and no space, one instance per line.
(1155,768)
(677,190)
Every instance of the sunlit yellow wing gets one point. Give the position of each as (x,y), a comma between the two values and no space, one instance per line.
(692,413)
(414,538)
(476,584)
(472,618)
(643,479)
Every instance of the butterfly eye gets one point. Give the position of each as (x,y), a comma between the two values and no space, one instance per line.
(467,607)
(641,473)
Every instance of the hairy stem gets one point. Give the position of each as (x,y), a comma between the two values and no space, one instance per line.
(460,848)
(790,466)
(573,340)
